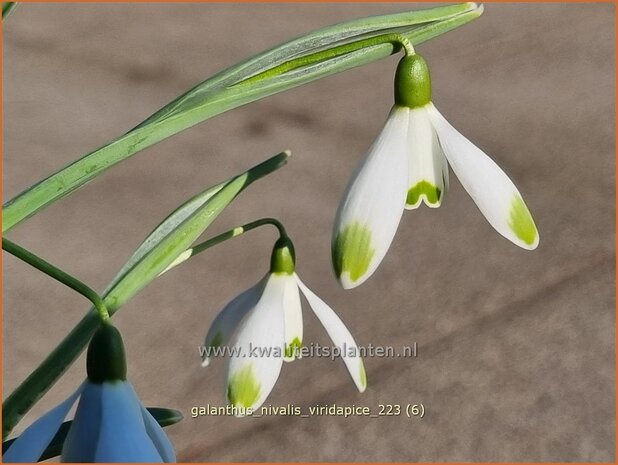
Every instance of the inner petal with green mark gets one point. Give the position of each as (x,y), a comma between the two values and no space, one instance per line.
(293,349)
(430,192)
(521,222)
(352,251)
(243,387)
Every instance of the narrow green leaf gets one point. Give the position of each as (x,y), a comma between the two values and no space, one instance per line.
(173,236)
(178,232)
(164,416)
(7,8)
(224,92)
(337,34)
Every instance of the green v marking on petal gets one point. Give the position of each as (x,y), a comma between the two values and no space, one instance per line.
(243,387)
(363,376)
(352,251)
(432,193)
(521,222)
(293,348)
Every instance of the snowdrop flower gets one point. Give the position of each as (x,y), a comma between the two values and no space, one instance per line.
(110,424)
(407,165)
(265,327)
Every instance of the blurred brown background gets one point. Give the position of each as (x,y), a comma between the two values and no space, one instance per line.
(516,349)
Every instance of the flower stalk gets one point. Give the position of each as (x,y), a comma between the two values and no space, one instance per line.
(234,232)
(59,275)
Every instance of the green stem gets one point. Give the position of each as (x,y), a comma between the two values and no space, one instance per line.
(57,274)
(396,39)
(234,232)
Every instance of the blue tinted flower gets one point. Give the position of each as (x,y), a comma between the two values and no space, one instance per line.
(110,424)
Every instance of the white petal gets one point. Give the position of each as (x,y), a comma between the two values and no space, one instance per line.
(31,444)
(257,356)
(490,188)
(428,178)
(372,205)
(293,320)
(340,336)
(226,321)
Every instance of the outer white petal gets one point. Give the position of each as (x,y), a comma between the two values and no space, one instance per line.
(340,336)
(490,188)
(29,446)
(428,179)
(258,348)
(122,434)
(293,320)
(372,205)
(226,321)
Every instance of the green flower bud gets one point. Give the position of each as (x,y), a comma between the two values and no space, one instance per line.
(283,258)
(106,360)
(412,82)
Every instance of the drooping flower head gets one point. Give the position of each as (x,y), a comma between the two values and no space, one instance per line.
(110,424)
(264,328)
(408,165)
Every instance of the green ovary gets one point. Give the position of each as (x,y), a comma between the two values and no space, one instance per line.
(243,388)
(431,193)
(352,251)
(521,222)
